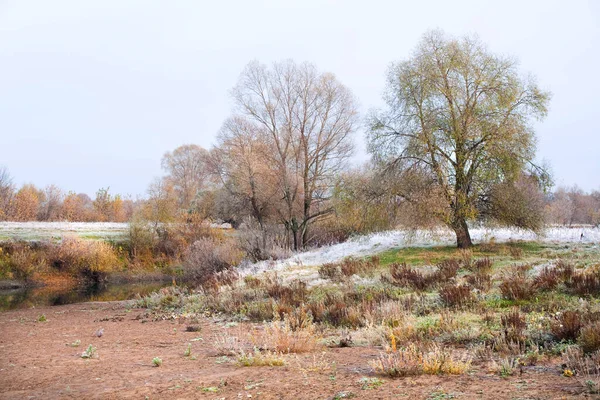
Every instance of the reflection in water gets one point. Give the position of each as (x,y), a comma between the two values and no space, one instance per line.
(54,296)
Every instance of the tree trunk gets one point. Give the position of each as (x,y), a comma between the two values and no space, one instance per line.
(294,228)
(305,236)
(463,237)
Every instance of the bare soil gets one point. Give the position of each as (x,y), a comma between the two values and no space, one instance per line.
(37,360)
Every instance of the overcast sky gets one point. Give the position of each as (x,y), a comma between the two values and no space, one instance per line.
(92,93)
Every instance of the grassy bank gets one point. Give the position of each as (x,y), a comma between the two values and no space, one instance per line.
(75,261)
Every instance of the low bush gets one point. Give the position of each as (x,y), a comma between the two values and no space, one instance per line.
(411,361)
(399,363)
(439,361)
(589,337)
(585,283)
(547,279)
(209,256)
(513,325)
(257,358)
(585,368)
(19,261)
(89,259)
(296,333)
(445,271)
(480,280)
(567,325)
(456,295)
(566,270)
(403,275)
(330,271)
(517,285)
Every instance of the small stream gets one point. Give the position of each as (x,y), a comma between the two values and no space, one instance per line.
(54,296)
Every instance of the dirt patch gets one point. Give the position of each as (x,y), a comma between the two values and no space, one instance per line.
(42,359)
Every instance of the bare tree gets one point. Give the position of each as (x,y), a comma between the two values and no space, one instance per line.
(306,118)
(239,161)
(161,205)
(462,114)
(7,190)
(186,168)
(51,203)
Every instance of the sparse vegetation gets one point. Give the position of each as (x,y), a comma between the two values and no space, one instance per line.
(257,358)
(90,352)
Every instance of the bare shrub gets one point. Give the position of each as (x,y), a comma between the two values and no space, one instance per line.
(403,275)
(350,266)
(585,368)
(466,257)
(567,325)
(566,270)
(480,280)
(517,285)
(330,271)
(266,243)
(445,271)
(482,265)
(456,295)
(514,325)
(207,257)
(589,337)
(585,283)
(292,295)
(547,279)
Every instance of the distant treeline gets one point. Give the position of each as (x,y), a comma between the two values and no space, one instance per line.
(30,203)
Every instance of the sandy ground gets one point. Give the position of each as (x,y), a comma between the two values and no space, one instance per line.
(37,361)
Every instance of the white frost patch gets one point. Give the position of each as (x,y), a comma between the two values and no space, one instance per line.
(378,242)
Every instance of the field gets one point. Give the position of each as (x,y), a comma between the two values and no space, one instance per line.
(57,230)
(508,319)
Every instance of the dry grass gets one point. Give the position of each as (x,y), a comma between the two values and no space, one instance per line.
(257,358)
(296,333)
(589,338)
(585,368)
(411,360)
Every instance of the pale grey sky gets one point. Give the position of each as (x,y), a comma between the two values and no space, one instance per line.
(92,93)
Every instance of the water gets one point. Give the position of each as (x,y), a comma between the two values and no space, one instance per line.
(55,296)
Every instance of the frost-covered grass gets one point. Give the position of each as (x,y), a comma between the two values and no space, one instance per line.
(380,242)
(57,230)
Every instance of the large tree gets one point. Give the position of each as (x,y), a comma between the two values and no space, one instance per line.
(306,119)
(462,116)
(186,168)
